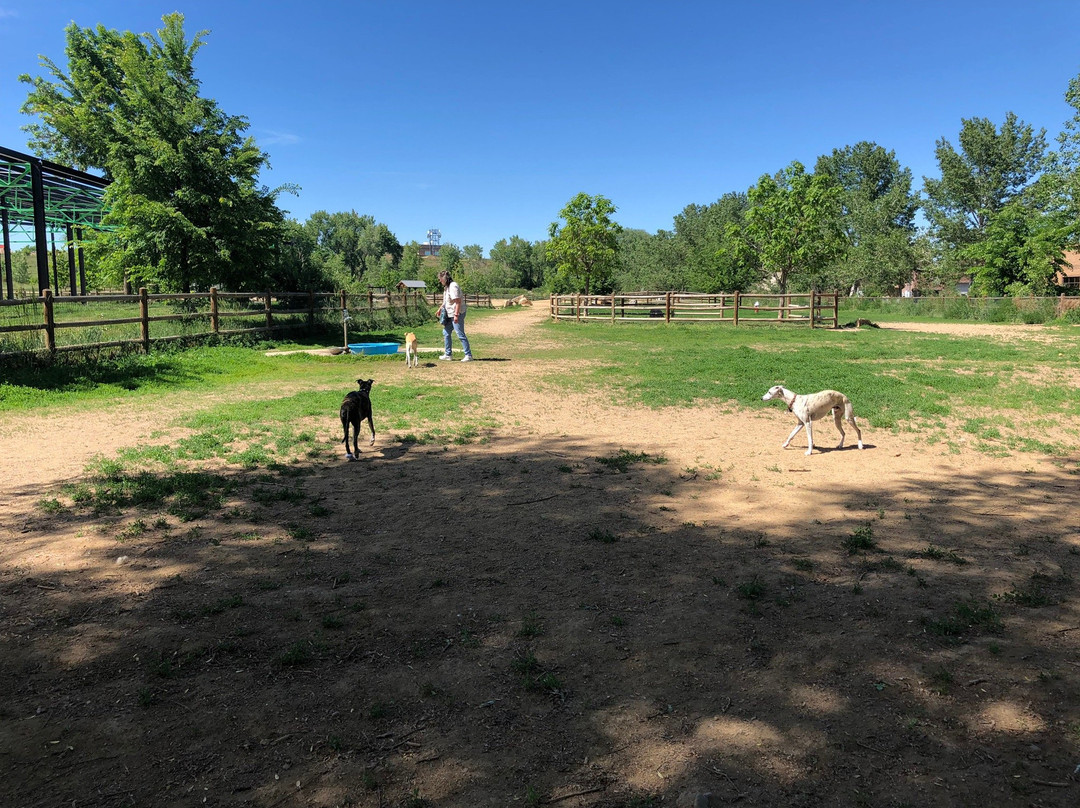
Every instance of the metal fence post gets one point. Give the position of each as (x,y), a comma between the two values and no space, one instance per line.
(50,322)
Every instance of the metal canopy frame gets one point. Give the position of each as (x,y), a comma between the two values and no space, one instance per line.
(39,197)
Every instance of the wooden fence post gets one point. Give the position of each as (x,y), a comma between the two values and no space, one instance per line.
(144,315)
(370,299)
(311,309)
(215,325)
(737,296)
(612,307)
(50,322)
(667,307)
(835,310)
(269,321)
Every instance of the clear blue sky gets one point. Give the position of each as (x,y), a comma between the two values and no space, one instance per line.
(484,118)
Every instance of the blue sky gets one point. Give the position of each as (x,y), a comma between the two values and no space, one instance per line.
(484,118)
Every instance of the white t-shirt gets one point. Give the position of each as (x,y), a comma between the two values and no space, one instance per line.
(452,291)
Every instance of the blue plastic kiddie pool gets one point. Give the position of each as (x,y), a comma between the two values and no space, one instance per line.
(371,348)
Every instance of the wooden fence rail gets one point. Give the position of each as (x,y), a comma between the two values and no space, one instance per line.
(805,308)
(264,312)
(481,301)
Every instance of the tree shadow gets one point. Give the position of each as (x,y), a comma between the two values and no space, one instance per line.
(515,621)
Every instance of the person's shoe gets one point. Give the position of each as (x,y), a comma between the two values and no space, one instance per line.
(446,357)
(467,359)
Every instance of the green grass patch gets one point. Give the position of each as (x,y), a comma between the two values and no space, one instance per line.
(622,460)
(897,380)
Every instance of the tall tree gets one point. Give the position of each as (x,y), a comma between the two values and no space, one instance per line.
(790,229)
(472,259)
(1019,252)
(362,244)
(516,255)
(649,262)
(877,213)
(700,235)
(410,261)
(991,169)
(452,260)
(584,247)
(186,206)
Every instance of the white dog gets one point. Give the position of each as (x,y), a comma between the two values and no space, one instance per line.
(814,407)
(412,354)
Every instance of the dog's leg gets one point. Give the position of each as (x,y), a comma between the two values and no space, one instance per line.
(809,437)
(345,440)
(794,432)
(849,414)
(839,426)
(371,424)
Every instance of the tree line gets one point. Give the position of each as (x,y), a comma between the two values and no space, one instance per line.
(186,209)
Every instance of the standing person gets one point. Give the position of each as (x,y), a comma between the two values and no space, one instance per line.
(452,316)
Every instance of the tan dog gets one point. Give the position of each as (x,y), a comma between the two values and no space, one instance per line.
(412,355)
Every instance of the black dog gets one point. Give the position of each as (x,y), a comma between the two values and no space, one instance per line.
(354,409)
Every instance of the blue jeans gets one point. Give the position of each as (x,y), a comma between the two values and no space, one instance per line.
(458,328)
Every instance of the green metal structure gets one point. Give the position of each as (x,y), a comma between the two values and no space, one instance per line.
(39,198)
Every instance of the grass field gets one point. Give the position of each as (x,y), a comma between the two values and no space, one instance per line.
(1000,391)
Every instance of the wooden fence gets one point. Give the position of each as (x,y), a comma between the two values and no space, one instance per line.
(481,301)
(193,315)
(807,308)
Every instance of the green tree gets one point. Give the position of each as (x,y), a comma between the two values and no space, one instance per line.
(186,206)
(877,212)
(585,246)
(649,262)
(410,261)
(1018,253)
(516,256)
(473,264)
(991,169)
(790,228)
(701,233)
(451,259)
(367,249)
(294,266)
(544,272)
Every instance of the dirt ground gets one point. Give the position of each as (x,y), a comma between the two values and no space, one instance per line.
(591,606)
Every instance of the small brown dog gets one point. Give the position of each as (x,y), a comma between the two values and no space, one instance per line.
(412,355)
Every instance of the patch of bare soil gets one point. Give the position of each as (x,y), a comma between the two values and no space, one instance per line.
(593,606)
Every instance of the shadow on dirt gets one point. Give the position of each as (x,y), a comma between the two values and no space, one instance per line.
(518,622)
